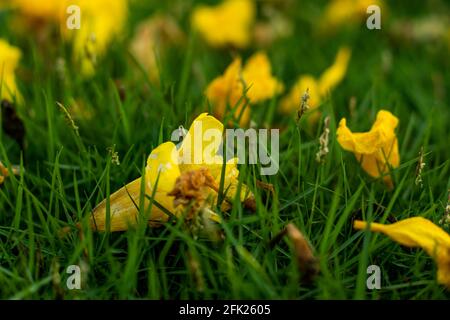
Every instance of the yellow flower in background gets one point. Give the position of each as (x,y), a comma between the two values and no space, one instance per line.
(318,88)
(336,73)
(9,59)
(376,150)
(257,75)
(254,80)
(192,172)
(228,23)
(418,232)
(101,22)
(343,12)
(228,90)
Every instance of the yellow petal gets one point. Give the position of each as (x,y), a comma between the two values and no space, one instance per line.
(258,78)
(377,149)
(334,74)
(9,60)
(418,232)
(225,24)
(102,21)
(317,88)
(162,168)
(231,184)
(123,209)
(201,144)
(228,90)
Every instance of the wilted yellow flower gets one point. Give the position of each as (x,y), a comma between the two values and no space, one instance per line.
(318,88)
(342,12)
(255,80)
(228,23)
(151,39)
(193,171)
(418,232)
(376,150)
(9,59)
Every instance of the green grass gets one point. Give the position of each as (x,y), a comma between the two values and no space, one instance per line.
(65,175)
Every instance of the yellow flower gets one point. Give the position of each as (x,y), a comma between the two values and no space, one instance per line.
(318,88)
(228,23)
(255,80)
(257,75)
(419,232)
(336,73)
(193,171)
(376,150)
(100,22)
(9,59)
(342,12)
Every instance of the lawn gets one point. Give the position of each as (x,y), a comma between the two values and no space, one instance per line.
(98,139)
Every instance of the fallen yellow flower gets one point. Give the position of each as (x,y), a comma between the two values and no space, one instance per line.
(418,232)
(174,177)
(228,23)
(376,150)
(253,82)
(9,59)
(318,88)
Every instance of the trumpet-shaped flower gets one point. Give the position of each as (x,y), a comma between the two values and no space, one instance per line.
(228,23)
(174,177)
(318,88)
(376,150)
(9,59)
(238,87)
(418,232)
